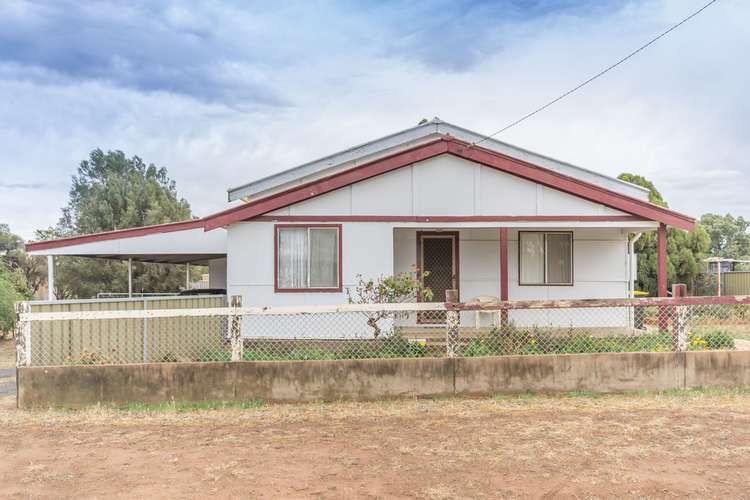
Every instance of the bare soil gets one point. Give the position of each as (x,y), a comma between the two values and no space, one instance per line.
(688,444)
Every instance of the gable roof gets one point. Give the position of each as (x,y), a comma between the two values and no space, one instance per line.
(400,150)
(445,144)
(410,138)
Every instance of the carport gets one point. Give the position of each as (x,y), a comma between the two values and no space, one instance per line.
(174,243)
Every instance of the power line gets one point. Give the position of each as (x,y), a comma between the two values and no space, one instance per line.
(606,70)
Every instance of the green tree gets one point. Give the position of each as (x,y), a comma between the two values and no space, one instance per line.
(111,191)
(654,196)
(685,250)
(13,288)
(13,253)
(729,236)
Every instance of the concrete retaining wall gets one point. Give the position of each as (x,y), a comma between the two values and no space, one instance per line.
(75,386)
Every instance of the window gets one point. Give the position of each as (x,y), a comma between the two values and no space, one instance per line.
(308,258)
(545,258)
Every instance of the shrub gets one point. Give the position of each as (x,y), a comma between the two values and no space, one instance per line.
(512,340)
(87,357)
(710,340)
(394,346)
(719,340)
(13,288)
(302,353)
(387,290)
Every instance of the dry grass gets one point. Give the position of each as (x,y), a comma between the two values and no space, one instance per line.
(579,445)
(681,443)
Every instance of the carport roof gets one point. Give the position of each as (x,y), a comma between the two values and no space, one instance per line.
(173,243)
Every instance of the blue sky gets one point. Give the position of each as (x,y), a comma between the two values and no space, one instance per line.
(223,92)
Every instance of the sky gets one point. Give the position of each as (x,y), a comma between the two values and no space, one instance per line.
(224,92)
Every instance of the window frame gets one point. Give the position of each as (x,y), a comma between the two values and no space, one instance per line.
(339,236)
(572,258)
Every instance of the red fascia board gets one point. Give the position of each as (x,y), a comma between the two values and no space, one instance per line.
(115,235)
(449,218)
(577,187)
(446,144)
(327,184)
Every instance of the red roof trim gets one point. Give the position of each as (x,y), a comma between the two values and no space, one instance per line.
(493,159)
(639,209)
(571,185)
(326,184)
(449,218)
(114,235)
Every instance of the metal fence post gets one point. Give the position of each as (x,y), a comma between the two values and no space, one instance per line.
(680,325)
(236,329)
(145,333)
(452,322)
(23,335)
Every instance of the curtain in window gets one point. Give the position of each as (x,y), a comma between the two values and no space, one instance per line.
(292,258)
(559,257)
(532,258)
(324,252)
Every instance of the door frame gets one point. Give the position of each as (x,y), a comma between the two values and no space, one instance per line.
(453,235)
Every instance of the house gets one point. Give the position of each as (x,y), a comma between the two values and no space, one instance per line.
(723,265)
(484,217)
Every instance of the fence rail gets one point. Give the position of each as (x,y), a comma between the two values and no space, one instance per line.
(220,333)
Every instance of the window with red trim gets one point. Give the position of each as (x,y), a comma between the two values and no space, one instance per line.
(545,258)
(308,258)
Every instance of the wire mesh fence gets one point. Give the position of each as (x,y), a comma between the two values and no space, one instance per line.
(356,331)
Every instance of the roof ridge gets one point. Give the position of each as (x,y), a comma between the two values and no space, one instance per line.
(384,144)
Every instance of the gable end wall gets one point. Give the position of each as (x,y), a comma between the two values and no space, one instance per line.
(446,185)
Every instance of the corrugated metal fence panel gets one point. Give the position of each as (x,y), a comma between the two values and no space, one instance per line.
(122,340)
(735,283)
(177,339)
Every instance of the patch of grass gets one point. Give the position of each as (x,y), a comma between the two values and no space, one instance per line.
(583,394)
(523,395)
(527,395)
(180,407)
(389,347)
(510,339)
(706,391)
(645,394)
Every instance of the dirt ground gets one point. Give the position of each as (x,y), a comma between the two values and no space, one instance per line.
(682,444)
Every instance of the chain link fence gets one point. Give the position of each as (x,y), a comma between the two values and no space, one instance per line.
(355,331)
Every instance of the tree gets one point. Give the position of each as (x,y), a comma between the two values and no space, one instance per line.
(729,236)
(13,288)
(387,290)
(111,191)
(654,196)
(13,253)
(685,250)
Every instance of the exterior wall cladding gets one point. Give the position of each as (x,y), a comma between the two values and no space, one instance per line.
(441,186)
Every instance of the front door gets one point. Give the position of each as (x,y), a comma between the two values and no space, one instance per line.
(437,260)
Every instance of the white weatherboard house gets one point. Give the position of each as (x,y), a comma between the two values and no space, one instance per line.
(488,219)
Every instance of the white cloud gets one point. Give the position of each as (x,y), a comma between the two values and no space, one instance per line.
(274,88)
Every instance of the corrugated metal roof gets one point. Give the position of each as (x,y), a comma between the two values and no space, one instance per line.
(389,144)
